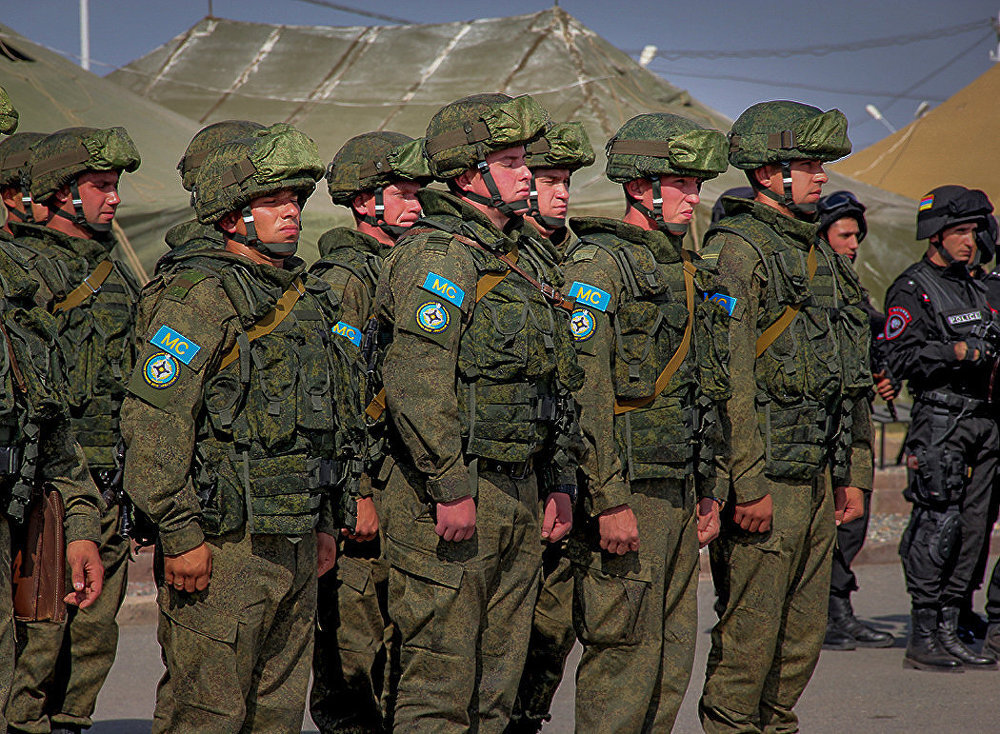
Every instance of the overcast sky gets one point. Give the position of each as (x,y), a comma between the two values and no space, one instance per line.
(740,52)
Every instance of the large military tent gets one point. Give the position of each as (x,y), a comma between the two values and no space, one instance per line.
(954,143)
(51,93)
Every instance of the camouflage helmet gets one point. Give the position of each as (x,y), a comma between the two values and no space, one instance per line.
(15,153)
(61,157)
(661,144)
(562,145)
(773,132)
(372,160)
(8,115)
(208,139)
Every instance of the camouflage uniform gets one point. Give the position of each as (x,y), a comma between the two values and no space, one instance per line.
(796,411)
(470,414)
(566,146)
(56,458)
(97,341)
(352,689)
(238,444)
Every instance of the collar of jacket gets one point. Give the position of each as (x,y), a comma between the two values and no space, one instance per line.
(666,248)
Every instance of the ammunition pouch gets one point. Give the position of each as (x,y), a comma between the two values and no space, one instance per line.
(939,479)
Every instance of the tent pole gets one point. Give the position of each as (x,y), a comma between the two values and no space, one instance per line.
(85,34)
(130,254)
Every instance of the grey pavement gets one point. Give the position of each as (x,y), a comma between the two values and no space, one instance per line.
(858,691)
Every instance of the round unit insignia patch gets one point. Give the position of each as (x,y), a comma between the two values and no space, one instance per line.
(160,370)
(896,321)
(433,317)
(581,324)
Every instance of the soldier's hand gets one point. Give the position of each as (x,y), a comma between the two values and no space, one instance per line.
(367,525)
(883,386)
(709,523)
(754,516)
(326,552)
(87,572)
(619,530)
(456,520)
(963,352)
(189,571)
(848,504)
(558,518)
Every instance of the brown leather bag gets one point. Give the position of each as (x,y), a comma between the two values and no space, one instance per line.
(39,566)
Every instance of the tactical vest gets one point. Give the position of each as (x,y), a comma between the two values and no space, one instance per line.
(808,376)
(658,440)
(277,418)
(516,362)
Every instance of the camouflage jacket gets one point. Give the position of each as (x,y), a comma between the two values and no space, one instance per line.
(186,236)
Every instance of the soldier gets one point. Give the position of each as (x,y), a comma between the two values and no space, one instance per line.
(241,417)
(37,443)
(15,153)
(552,158)
(798,412)
(635,555)
(477,383)
(72,177)
(374,176)
(842,225)
(940,335)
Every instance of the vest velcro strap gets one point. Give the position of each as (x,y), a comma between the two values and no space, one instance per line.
(775,330)
(269,322)
(682,349)
(90,285)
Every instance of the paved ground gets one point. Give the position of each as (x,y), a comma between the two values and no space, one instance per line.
(859,691)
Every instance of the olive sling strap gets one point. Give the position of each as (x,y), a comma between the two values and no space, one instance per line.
(677,359)
(269,322)
(772,332)
(90,285)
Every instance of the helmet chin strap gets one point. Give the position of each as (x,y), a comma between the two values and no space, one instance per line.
(393,230)
(552,223)
(805,212)
(280,249)
(25,216)
(516,208)
(951,261)
(656,213)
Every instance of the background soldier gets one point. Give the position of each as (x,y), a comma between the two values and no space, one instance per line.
(798,408)
(939,335)
(37,444)
(376,175)
(15,154)
(73,181)
(477,380)
(552,158)
(648,504)
(843,226)
(234,444)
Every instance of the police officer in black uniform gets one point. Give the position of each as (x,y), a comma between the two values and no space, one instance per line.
(843,225)
(939,335)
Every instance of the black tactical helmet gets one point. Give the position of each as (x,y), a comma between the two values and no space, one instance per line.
(739,192)
(840,205)
(947,206)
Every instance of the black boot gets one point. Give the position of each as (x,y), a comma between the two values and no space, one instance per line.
(836,638)
(948,636)
(991,644)
(842,614)
(923,651)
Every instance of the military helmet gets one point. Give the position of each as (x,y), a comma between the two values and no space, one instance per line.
(372,160)
(659,143)
(208,139)
(562,145)
(8,115)
(61,157)
(841,205)
(15,153)
(737,192)
(947,206)
(772,132)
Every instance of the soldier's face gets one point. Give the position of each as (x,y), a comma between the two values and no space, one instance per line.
(99,194)
(552,185)
(843,236)
(960,241)
(808,178)
(402,209)
(681,195)
(275,217)
(511,174)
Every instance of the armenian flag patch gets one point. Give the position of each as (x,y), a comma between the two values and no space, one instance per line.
(927,202)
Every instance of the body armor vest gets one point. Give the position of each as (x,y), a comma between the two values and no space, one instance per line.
(276,419)
(809,374)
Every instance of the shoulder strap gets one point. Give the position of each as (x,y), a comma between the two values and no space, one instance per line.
(269,322)
(682,349)
(775,330)
(90,285)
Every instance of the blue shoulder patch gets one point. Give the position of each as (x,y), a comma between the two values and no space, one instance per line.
(175,343)
(441,286)
(590,296)
(348,332)
(727,302)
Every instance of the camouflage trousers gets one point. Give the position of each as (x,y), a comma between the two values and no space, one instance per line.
(637,615)
(353,638)
(6,622)
(238,654)
(61,666)
(463,610)
(552,639)
(773,590)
